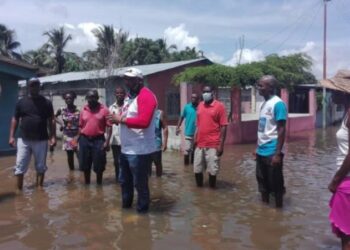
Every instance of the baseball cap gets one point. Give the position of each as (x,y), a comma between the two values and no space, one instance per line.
(133,72)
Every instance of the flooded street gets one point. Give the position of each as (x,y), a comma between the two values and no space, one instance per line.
(69,215)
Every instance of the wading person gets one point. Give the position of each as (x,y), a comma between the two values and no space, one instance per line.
(69,122)
(116,108)
(137,136)
(189,115)
(35,116)
(340,184)
(271,134)
(93,125)
(161,142)
(209,137)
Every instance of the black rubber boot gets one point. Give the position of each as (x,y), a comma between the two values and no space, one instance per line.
(199,179)
(186,159)
(212,181)
(279,200)
(265,197)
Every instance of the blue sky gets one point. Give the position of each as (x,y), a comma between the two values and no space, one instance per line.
(213,26)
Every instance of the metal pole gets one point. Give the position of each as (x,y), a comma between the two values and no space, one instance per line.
(324,108)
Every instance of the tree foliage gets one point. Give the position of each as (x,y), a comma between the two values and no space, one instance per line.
(8,44)
(289,70)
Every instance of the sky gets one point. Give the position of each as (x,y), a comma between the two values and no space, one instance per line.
(219,28)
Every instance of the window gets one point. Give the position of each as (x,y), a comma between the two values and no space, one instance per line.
(173,105)
(224,96)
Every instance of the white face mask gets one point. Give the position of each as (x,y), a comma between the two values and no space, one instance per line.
(207,97)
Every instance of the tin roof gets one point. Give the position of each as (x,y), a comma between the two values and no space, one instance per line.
(96,74)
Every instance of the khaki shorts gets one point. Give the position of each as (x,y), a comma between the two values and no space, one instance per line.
(188,145)
(206,159)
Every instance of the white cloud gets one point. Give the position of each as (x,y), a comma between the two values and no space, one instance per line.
(83,38)
(214,57)
(247,56)
(180,37)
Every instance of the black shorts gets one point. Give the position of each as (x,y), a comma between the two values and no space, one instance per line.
(92,154)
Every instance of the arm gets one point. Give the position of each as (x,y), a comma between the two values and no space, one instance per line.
(345,167)
(179,125)
(59,121)
(106,145)
(223,130)
(13,128)
(146,106)
(281,131)
(52,130)
(165,131)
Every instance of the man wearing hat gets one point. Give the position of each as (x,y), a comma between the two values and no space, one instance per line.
(137,136)
(35,117)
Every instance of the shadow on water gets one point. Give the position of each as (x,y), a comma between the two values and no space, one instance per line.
(7,196)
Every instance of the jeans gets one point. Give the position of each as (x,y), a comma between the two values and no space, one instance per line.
(134,173)
(91,152)
(116,153)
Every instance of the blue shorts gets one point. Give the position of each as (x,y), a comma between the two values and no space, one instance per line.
(25,149)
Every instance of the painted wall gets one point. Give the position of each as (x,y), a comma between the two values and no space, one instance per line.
(8,99)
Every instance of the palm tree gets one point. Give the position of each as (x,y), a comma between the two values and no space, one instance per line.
(56,43)
(39,57)
(109,45)
(8,43)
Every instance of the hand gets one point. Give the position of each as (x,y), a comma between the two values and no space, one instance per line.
(164,147)
(332,187)
(254,155)
(219,151)
(114,118)
(52,141)
(276,160)
(12,142)
(106,146)
(177,131)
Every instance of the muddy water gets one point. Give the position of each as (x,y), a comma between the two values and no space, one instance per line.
(68,215)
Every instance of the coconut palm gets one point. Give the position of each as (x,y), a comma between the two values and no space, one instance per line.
(109,45)
(8,43)
(57,41)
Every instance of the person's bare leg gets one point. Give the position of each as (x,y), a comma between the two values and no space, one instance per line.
(87,176)
(99,177)
(40,180)
(19,182)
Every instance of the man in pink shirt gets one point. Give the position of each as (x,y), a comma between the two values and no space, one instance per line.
(93,124)
(137,137)
(209,137)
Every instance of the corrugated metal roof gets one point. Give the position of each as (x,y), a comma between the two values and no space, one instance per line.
(95,74)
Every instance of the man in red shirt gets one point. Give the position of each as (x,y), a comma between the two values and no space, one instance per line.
(93,124)
(210,137)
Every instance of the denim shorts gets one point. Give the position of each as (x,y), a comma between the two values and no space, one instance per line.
(25,149)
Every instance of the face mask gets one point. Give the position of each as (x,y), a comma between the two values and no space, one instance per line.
(207,97)
(92,103)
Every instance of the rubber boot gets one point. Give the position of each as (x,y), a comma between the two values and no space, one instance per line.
(212,181)
(186,159)
(265,197)
(99,178)
(87,175)
(279,200)
(199,179)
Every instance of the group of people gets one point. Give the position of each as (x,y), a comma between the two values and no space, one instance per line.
(136,130)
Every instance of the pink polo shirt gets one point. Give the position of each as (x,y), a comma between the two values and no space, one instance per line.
(94,123)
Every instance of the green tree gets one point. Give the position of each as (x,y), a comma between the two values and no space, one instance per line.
(57,41)
(109,46)
(39,57)
(8,44)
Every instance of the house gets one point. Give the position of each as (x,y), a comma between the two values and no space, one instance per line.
(11,71)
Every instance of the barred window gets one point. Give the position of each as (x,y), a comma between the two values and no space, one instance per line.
(173,105)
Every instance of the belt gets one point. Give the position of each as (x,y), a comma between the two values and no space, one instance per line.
(95,137)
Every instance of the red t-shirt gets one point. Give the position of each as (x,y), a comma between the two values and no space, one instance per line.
(93,123)
(210,119)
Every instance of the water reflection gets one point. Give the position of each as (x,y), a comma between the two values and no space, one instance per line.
(68,214)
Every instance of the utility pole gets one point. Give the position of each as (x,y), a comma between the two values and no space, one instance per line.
(324,108)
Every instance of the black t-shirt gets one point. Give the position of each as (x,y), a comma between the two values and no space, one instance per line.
(33,115)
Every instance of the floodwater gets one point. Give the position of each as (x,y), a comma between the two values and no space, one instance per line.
(69,215)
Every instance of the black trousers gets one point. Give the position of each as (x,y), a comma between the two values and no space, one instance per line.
(270,178)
